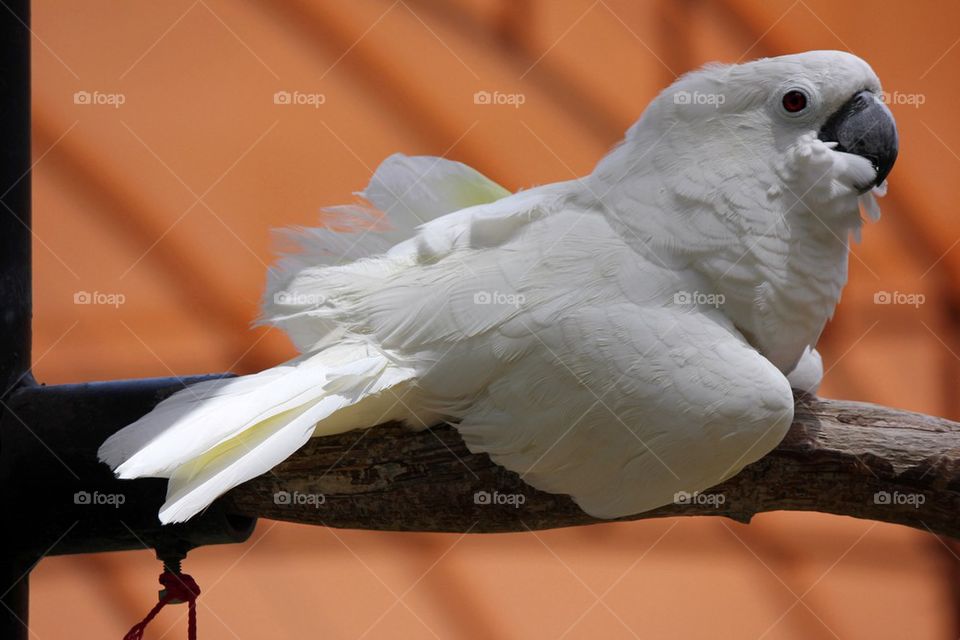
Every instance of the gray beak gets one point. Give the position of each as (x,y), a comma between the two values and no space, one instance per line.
(864,126)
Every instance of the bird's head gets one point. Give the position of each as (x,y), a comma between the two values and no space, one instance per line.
(804,134)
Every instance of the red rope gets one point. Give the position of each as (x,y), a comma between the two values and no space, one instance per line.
(179,587)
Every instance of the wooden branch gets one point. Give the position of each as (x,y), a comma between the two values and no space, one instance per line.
(839,457)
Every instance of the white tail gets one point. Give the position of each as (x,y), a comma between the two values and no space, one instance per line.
(212,436)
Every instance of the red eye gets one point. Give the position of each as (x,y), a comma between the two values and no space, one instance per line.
(794,101)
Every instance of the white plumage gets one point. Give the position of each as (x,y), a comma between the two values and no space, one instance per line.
(618,338)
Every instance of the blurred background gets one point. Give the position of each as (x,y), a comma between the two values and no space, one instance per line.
(163,161)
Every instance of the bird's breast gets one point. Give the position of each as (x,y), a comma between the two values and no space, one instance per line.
(780,296)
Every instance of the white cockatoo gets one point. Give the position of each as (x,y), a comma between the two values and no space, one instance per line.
(619,338)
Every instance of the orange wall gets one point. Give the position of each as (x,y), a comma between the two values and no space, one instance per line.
(169,198)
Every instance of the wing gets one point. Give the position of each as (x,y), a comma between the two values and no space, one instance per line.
(624,406)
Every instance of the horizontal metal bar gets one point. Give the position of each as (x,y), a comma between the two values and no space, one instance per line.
(64,500)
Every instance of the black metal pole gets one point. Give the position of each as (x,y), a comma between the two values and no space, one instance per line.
(68,502)
(15,272)
(15,252)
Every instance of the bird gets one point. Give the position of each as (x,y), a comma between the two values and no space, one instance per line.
(619,338)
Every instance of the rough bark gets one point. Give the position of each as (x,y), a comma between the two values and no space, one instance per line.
(839,457)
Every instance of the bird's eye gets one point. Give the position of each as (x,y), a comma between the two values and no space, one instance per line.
(794,101)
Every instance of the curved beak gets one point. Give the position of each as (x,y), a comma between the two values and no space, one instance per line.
(864,126)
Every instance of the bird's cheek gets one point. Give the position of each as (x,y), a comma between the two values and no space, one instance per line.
(809,165)
(824,180)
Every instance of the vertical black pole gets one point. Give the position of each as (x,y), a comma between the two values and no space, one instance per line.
(15,270)
(15,298)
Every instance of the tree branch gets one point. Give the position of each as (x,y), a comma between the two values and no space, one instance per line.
(839,457)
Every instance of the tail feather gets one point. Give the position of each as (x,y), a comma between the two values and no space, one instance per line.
(211,437)
(164,438)
(200,417)
(197,483)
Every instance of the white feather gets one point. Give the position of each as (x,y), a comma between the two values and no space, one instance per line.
(258,448)
(404,193)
